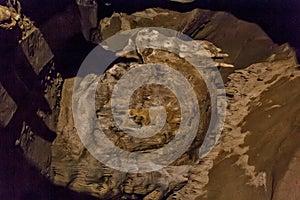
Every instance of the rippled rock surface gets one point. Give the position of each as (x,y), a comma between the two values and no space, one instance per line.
(257,153)
(260,66)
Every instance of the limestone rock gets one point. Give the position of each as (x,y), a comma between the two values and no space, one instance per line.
(7,107)
(257,153)
(261,69)
(37,50)
(72,164)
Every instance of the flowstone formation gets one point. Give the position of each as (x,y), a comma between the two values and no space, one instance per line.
(256,155)
(187,177)
(232,147)
(116,184)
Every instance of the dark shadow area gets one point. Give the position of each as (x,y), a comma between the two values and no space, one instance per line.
(75,51)
(23,85)
(21,181)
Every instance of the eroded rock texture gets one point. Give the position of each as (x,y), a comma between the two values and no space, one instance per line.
(235,162)
(257,154)
(69,151)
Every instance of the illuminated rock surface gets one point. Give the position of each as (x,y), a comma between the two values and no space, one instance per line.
(257,154)
(243,163)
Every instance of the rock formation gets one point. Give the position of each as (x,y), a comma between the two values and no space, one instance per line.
(79,170)
(256,156)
